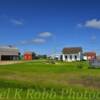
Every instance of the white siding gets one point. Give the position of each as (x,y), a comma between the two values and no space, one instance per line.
(85,58)
(63,57)
(72,57)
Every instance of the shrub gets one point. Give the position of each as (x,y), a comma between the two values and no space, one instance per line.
(80,66)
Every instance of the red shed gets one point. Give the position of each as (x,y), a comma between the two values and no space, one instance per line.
(28,56)
(90,55)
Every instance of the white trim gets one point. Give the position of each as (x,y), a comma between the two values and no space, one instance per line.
(78,55)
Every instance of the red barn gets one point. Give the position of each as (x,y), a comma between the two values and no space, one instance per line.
(89,55)
(28,56)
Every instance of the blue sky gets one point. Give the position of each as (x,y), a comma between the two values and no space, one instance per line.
(47,26)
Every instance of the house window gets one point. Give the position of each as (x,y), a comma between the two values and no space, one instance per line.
(61,57)
(66,57)
(75,57)
(70,56)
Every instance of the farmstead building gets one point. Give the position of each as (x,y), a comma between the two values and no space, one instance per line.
(27,56)
(89,56)
(9,53)
(72,54)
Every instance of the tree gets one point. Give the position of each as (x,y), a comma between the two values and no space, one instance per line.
(34,55)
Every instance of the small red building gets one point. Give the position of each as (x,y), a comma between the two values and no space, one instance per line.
(27,56)
(90,56)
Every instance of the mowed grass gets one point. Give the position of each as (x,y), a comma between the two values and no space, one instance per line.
(40,75)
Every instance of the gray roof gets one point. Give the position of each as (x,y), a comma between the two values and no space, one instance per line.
(6,50)
(98,58)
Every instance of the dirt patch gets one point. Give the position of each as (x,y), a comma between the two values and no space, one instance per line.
(87,81)
(9,62)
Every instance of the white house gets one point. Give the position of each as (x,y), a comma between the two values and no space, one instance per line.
(72,54)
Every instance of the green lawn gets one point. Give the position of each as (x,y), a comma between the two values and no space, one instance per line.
(63,81)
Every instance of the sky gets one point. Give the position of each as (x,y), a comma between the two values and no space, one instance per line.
(47,26)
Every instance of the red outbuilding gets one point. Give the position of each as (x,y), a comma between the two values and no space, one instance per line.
(27,56)
(90,55)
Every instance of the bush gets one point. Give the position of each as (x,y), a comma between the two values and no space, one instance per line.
(80,66)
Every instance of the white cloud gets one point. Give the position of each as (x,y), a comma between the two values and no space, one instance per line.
(32,41)
(16,22)
(79,25)
(38,41)
(93,23)
(93,38)
(24,42)
(45,34)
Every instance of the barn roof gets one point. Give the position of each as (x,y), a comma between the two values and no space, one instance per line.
(6,50)
(72,50)
(28,52)
(8,47)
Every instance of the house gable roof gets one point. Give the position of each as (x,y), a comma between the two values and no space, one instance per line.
(89,54)
(72,50)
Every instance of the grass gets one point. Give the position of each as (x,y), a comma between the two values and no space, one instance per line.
(38,75)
